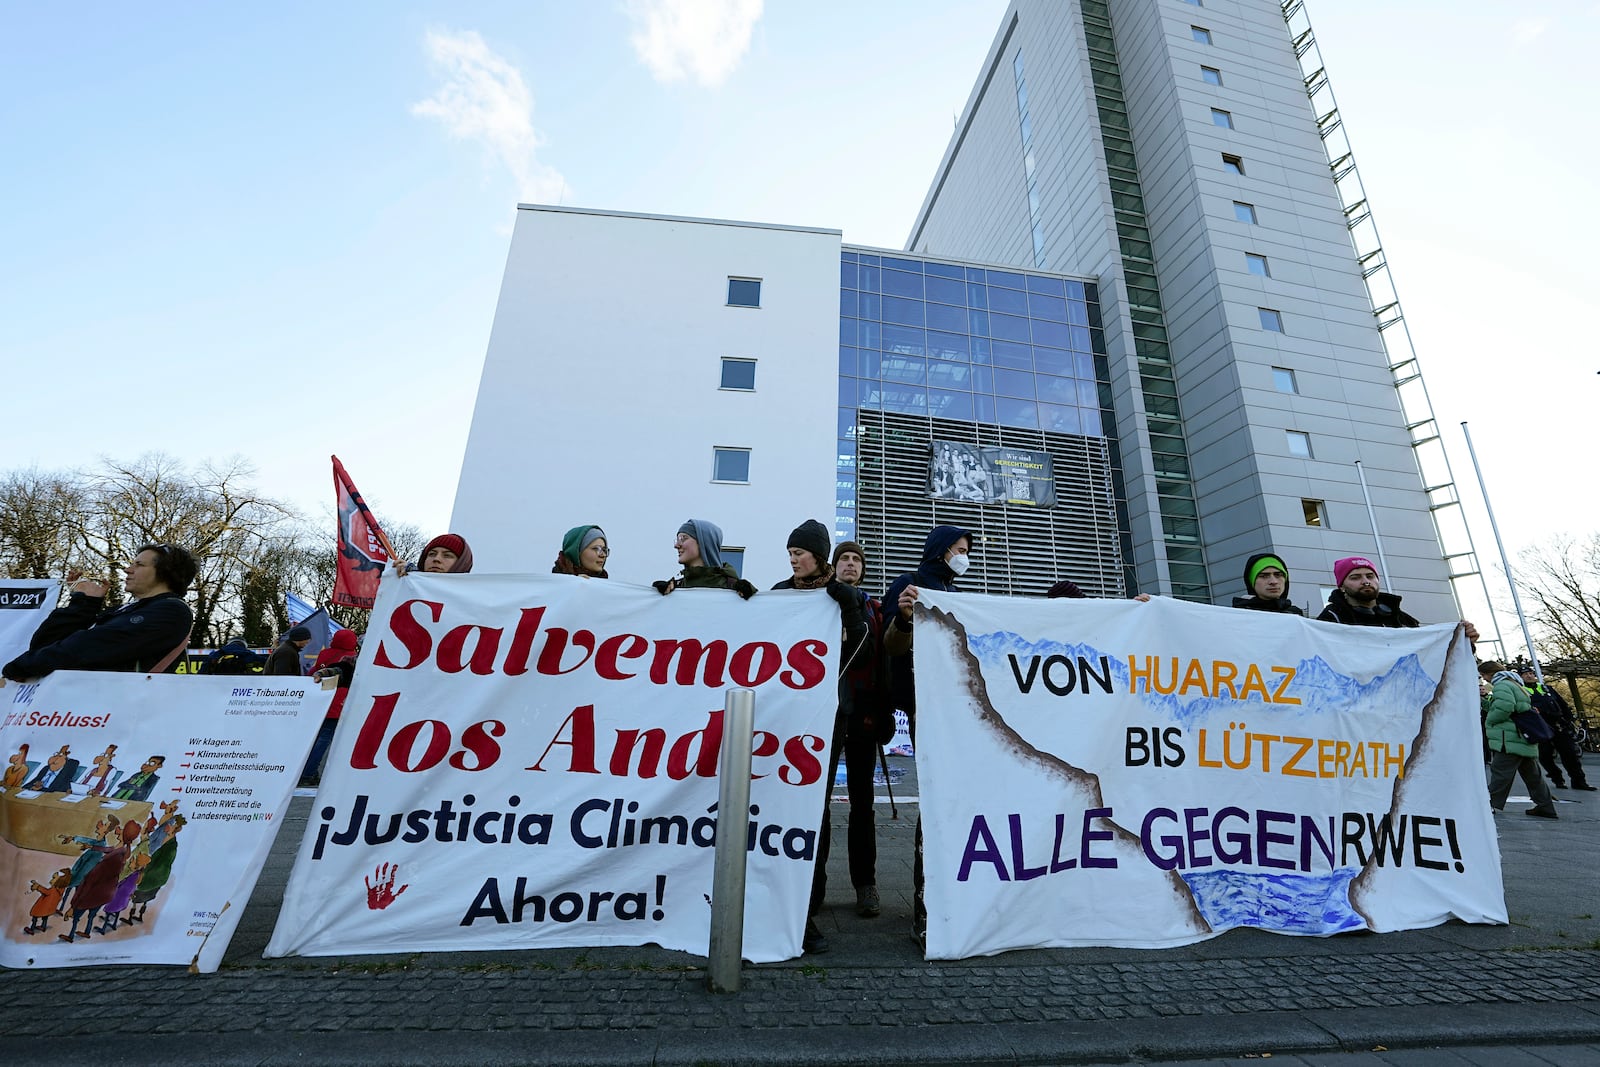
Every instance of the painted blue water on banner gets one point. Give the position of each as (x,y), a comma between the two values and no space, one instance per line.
(1292,903)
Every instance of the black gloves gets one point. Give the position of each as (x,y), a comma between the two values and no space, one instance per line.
(743,588)
(665,586)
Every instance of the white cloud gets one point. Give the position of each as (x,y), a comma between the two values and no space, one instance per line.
(702,40)
(1526,31)
(481,97)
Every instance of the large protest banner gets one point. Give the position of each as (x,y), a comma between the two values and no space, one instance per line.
(136,811)
(24,603)
(1097,772)
(531,761)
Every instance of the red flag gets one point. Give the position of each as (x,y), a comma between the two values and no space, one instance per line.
(363,550)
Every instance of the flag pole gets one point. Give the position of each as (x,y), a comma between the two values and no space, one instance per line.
(1516,600)
(1372,517)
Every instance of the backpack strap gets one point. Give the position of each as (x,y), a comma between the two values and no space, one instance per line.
(167,660)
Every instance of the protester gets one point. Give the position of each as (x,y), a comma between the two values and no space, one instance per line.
(863,725)
(234,658)
(808,552)
(584,552)
(1358,600)
(1510,753)
(338,660)
(285,659)
(1266,580)
(148,634)
(945,557)
(1554,711)
(699,548)
(446,554)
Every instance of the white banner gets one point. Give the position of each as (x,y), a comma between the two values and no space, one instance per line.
(136,811)
(24,603)
(1099,772)
(531,761)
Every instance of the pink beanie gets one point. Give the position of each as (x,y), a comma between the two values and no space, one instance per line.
(1343,567)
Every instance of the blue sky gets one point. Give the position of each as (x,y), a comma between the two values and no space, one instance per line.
(221,220)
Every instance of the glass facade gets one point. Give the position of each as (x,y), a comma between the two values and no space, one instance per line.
(953,343)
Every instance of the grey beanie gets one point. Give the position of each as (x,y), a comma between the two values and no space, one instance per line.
(708,535)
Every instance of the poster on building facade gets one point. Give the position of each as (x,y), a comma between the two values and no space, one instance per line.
(532,761)
(1171,771)
(136,811)
(991,475)
(24,603)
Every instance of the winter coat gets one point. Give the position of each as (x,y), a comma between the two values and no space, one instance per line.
(82,637)
(341,653)
(931,573)
(1506,700)
(1385,613)
(285,659)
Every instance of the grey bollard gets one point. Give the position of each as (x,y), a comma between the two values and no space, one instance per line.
(727,883)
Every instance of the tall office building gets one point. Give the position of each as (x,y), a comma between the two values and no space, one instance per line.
(1128,343)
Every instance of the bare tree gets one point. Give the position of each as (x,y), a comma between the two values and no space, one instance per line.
(1561,582)
(40,512)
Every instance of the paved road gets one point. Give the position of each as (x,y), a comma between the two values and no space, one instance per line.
(1526,993)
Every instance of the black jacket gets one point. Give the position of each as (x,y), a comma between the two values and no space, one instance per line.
(932,573)
(81,637)
(1386,612)
(285,659)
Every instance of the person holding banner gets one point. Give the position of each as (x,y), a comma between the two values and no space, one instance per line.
(1510,754)
(699,548)
(338,660)
(148,634)
(864,724)
(945,557)
(808,549)
(1266,579)
(446,554)
(1358,600)
(583,552)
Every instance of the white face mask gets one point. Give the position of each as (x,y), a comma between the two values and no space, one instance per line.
(959,564)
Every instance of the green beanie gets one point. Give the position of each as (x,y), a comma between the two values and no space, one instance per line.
(1261,564)
(579,538)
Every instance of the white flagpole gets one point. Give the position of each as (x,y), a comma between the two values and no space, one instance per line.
(1372,517)
(1516,601)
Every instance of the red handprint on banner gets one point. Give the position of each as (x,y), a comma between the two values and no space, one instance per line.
(383,894)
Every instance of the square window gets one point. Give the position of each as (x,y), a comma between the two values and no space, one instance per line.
(1257,265)
(1222,118)
(741,373)
(1315,511)
(1233,164)
(1201,34)
(1271,320)
(1283,380)
(1244,212)
(744,292)
(1211,75)
(735,558)
(1299,444)
(730,465)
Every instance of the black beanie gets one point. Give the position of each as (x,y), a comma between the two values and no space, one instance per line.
(812,536)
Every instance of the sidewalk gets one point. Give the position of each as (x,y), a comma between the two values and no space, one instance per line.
(872,999)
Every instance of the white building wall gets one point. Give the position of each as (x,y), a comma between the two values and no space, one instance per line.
(600,399)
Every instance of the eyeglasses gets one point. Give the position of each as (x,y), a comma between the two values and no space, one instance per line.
(682,539)
(600,550)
